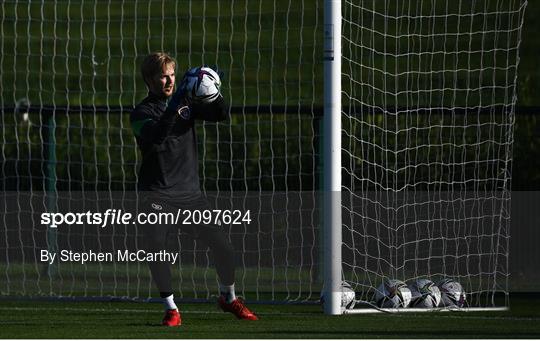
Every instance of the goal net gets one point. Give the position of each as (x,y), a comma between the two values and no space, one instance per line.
(69,78)
(429,89)
(427,119)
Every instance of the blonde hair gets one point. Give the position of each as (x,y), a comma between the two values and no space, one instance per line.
(153,64)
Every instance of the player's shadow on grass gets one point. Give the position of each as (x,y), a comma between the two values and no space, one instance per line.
(147,324)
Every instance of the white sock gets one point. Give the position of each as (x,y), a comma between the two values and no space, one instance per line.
(227,291)
(169,304)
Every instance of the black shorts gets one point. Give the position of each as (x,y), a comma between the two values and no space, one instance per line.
(155,203)
(156,237)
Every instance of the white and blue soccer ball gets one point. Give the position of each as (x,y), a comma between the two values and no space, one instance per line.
(425,294)
(348,296)
(452,293)
(201,85)
(393,293)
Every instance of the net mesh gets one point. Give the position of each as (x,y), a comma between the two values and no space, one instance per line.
(429,89)
(428,94)
(69,79)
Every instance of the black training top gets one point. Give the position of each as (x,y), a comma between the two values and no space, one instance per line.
(168,145)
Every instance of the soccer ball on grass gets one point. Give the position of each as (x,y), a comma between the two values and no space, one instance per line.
(347,296)
(425,294)
(452,293)
(393,293)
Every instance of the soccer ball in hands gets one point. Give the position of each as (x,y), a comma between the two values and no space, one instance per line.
(393,293)
(452,293)
(347,296)
(425,294)
(201,85)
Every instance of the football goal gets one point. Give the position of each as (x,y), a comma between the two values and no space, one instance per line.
(369,140)
(420,112)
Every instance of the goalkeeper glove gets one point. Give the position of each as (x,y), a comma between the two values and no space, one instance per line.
(179,102)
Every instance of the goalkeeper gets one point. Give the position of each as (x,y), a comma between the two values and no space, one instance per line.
(169,179)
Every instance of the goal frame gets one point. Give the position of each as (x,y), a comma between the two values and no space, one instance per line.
(332,221)
(332,157)
(47,154)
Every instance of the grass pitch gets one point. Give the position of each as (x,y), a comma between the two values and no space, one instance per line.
(31,319)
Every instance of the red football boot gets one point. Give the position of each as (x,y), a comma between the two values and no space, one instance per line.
(238,308)
(172,318)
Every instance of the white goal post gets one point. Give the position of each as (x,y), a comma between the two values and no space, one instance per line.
(332,158)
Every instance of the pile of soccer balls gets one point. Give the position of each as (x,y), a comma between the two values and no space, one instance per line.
(422,293)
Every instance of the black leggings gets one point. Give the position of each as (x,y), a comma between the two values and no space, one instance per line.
(156,237)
